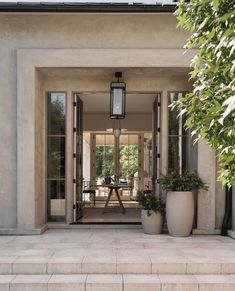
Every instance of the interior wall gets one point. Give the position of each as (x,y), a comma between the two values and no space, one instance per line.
(132,122)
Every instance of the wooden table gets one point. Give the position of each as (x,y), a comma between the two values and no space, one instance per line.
(112,189)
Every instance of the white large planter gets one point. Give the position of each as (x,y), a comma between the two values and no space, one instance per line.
(152,224)
(179,212)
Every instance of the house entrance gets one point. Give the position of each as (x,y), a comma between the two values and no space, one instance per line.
(85,159)
(109,170)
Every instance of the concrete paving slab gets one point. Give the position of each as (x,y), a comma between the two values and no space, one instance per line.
(141,282)
(67,282)
(104,283)
(99,265)
(65,265)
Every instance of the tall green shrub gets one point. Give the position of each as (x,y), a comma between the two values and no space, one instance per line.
(210,108)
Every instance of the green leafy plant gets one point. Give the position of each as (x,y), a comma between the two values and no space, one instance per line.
(187,181)
(150,202)
(210,108)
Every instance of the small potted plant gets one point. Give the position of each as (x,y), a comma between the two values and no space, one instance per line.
(180,201)
(152,212)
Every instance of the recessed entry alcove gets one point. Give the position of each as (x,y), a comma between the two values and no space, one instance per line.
(62,78)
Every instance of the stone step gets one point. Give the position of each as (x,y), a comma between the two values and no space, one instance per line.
(97,264)
(117,282)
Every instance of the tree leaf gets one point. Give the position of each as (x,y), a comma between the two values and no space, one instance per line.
(216,4)
(230,103)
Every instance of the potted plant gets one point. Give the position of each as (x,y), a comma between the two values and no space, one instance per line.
(180,201)
(152,212)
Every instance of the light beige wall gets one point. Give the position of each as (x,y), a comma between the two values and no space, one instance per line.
(91,31)
(233,208)
(19,31)
(8,205)
(63,31)
(40,153)
(219,203)
(134,122)
(134,83)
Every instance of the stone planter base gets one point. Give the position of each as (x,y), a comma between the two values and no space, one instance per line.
(152,224)
(179,213)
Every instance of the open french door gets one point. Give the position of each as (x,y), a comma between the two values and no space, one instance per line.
(156,118)
(77,155)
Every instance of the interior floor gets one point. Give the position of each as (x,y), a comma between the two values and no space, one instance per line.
(113,215)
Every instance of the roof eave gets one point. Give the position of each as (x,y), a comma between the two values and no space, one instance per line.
(88,8)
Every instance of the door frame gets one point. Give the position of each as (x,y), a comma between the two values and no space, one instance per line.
(163,139)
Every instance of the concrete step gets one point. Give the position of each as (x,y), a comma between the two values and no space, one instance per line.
(120,264)
(117,282)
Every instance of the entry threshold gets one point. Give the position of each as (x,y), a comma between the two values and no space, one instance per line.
(93,226)
(105,223)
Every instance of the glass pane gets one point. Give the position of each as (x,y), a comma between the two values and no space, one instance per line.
(176,124)
(56,200)
(109,162)
(56,114)
(100,142)
(117,101)
(128,157)
(105,157)
(86,156)
(99,161)
(56,107)
(177,154)
(56,157)
(147,155)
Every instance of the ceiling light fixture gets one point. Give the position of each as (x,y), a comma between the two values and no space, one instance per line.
(116,130)
(117,98)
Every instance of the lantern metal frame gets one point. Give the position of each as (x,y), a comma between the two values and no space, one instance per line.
(113,87)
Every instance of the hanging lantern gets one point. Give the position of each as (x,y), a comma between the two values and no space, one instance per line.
(117,98)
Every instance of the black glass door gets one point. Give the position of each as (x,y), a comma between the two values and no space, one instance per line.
(156,144)
(78,154)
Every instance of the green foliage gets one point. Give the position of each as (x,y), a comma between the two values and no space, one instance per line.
(187,181)
(56,144)
(210,108)
(150,202)
(128,161)
(105,161)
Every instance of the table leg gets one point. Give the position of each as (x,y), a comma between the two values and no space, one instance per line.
(120,201)
(107,201)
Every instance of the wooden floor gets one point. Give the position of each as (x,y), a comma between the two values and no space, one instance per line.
(112,215)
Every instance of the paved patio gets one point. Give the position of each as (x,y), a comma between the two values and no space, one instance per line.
(106,258)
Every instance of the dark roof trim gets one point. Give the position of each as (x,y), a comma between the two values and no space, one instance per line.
(86,7)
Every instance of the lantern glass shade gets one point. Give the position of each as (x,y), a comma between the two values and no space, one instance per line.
(117,100)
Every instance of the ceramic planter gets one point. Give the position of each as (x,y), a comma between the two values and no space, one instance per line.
(179,213)
(152,224)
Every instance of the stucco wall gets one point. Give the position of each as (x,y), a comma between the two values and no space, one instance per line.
(40,150)
(233,209)
(63,31)
(136,83)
